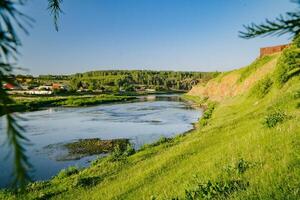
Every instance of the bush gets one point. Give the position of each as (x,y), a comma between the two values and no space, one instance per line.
(215,190)
(223,187)
(207,114)
(129,150)
(67,172)
(262,87)
(86,181)
(238,168)
(288,64)
(297,95)
(274,117)
(120,153)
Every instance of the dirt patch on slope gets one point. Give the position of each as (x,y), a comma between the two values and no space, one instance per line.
(229,86)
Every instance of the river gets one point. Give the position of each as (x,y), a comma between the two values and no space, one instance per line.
(143,120)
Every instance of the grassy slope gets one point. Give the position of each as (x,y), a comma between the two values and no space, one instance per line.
(234,132)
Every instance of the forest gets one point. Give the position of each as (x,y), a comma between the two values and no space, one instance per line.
(125,80)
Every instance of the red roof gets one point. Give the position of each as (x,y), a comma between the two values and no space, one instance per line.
(8,86)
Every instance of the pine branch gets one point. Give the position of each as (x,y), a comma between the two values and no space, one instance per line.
(55,10)
(10,19)
(281,25)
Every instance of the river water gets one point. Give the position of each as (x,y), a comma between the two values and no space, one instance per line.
(142,121)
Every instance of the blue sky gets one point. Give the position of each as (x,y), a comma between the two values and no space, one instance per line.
(185,35)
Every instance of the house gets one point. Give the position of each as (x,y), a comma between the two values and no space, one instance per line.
(274,49)
(10,86)
(58,86)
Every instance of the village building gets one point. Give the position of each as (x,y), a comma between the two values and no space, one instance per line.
(271,50)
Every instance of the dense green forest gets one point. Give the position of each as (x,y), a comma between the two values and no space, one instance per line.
(127,80)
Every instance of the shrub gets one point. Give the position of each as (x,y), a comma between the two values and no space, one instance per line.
(297,95)
(86,181)
(67,172)
(262,87)
(129,150)
(288,64)
(39,185)
(238,168)
(207,114)
(117,154)
(215,190)
(242,165)
(274,117)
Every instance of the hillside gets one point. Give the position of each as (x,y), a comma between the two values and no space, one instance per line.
(233,83)
(246,146)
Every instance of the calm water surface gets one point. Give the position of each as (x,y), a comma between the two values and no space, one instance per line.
(142,121)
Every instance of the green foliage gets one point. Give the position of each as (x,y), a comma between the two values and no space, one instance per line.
(262,87)
(67,172)
(289,63)
(281,25)
(131,80)
(117,154)
(11,20)
(129,150)
(227,155)
(74,101)
(215,189)
(55,8)
(245,73)
(81,181)
(222,187)
(93,100)
(207,114)
(95,146)
(274,117)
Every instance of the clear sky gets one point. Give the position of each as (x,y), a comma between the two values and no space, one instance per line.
(185,35)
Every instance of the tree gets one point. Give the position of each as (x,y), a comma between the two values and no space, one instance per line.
(11,20)
(290,23)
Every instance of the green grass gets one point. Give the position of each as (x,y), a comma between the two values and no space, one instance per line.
(262,87)
(250,149)
(205,159)
(245,72)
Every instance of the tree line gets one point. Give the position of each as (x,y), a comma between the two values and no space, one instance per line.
(130,80)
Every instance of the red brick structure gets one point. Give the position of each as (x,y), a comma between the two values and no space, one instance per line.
(270,50)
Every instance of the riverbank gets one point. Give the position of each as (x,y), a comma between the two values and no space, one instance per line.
(23,104)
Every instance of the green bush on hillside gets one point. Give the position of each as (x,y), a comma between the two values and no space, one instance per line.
(289,63)
(67,172)
(207,114)
(262,87)
(274,117)
(215,189)
(221,188)
(86,181)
